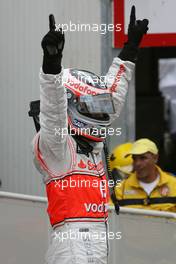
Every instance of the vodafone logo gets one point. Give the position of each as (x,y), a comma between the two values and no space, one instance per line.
(93,207)
(78,86)
(83,89)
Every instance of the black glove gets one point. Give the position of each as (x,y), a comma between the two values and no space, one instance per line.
(52,44)
(136,30)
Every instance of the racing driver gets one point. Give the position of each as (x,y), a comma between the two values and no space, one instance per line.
(75,107)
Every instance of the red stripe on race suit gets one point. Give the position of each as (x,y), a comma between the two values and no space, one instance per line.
(114,86)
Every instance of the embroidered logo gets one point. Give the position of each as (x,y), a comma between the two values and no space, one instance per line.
(164,190)
(90,165)
(81,164)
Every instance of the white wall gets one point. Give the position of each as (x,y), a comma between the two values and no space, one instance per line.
(146,238)
(23,24)
(23,228)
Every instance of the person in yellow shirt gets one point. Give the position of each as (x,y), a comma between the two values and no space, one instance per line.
(148,187)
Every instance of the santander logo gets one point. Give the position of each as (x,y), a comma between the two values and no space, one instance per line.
(81,164)
(91,166)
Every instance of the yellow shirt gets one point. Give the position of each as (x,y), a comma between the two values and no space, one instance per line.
(163,196)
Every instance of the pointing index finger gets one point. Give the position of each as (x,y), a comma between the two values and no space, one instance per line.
(133,16)
(52,23)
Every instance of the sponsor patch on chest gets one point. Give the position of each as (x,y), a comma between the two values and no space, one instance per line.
(90,165)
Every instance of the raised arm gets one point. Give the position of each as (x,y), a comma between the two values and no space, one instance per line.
(53,100)
(122,68)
